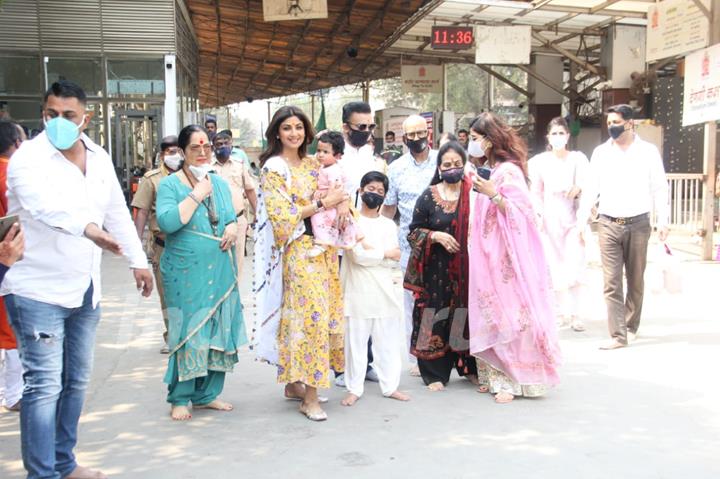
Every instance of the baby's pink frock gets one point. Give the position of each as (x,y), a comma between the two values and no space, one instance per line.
(324,228)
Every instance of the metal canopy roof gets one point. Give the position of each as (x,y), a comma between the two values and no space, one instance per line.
(242,57)
(569,25)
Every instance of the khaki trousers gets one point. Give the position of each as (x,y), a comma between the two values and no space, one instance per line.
(157,252)
(624,246)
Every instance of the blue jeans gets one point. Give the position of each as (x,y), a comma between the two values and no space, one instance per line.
(56,350)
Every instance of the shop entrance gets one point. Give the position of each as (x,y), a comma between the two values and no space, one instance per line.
(137,132)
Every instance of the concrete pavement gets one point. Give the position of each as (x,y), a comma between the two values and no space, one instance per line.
(647,411)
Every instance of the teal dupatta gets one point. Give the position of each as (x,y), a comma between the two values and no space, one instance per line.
(205,319)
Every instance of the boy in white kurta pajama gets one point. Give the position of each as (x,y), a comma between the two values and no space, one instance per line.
(372,286)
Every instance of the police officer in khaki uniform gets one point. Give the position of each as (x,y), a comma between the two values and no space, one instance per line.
(144,202)
(242,188)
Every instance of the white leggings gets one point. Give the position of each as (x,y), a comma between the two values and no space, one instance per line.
(568,301)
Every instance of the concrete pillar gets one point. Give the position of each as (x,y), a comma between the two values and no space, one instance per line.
(170,117)
(547,102)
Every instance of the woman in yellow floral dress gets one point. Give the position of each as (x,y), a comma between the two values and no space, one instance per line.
(299,313)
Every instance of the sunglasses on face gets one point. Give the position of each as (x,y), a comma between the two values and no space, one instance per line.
(362,126)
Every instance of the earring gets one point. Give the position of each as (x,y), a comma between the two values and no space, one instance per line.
(277,137)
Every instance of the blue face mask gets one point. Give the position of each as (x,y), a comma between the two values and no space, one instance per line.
(223,151)
(62,132)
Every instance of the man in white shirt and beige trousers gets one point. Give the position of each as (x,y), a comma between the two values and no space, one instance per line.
(628,176)
(65,191)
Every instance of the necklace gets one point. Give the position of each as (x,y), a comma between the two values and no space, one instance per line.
(448,206)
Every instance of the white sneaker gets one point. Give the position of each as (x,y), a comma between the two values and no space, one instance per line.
(340,380)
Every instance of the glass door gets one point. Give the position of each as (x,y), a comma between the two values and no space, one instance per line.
(136,135)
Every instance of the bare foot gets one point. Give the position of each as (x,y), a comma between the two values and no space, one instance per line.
(295,391)
(217,405)
(349,400)
(436,386)
(483,388)
(400,396)
(415,371)
(473,379)
(180,413)
(81,472)
(504,398)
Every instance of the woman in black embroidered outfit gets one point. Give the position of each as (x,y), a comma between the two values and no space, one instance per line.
(438,272)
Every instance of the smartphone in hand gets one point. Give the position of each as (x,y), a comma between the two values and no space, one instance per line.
(484,172)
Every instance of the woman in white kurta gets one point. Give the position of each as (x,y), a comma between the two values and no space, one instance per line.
(556,180)
(372,286)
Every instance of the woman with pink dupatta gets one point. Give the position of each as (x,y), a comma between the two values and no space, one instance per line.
(512,322)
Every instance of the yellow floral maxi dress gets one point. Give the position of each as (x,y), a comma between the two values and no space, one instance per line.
(310,338)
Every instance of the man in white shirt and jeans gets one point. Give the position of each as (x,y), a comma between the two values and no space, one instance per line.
(65,191)
(628,176)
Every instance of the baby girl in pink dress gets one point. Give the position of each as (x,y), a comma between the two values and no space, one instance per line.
(330,148)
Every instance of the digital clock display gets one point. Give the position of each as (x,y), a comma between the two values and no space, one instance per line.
(452,38)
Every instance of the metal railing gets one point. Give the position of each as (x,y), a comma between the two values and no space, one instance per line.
(686,206)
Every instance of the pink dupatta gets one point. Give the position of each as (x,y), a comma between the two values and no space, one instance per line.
(512,321)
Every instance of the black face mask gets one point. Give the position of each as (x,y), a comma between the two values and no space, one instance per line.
(358,138)
(452,176)
(372,200)
(417,146)
(616,131)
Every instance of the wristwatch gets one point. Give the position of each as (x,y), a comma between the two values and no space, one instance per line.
(319,206)
(496,199)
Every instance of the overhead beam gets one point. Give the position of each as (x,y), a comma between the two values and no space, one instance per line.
(297,41)
(422,12)
(241,60)
(504,24)
(570,56)
(558,21)
(537,5)
(343,18)
(369,30)
(267,50)
(489,69)
(701,6)
(589,11)
(549,83)
(602,6)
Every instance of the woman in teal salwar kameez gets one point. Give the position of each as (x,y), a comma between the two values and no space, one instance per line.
(205,326)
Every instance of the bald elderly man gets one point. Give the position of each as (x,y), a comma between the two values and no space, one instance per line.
(409,176)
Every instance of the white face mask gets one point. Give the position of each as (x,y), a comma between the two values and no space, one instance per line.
(558,142)
(476,149)
(173,161)
(201,171)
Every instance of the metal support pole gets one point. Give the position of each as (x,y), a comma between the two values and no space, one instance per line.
(366,91)
(444,88)
(710,153)
(312,107)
